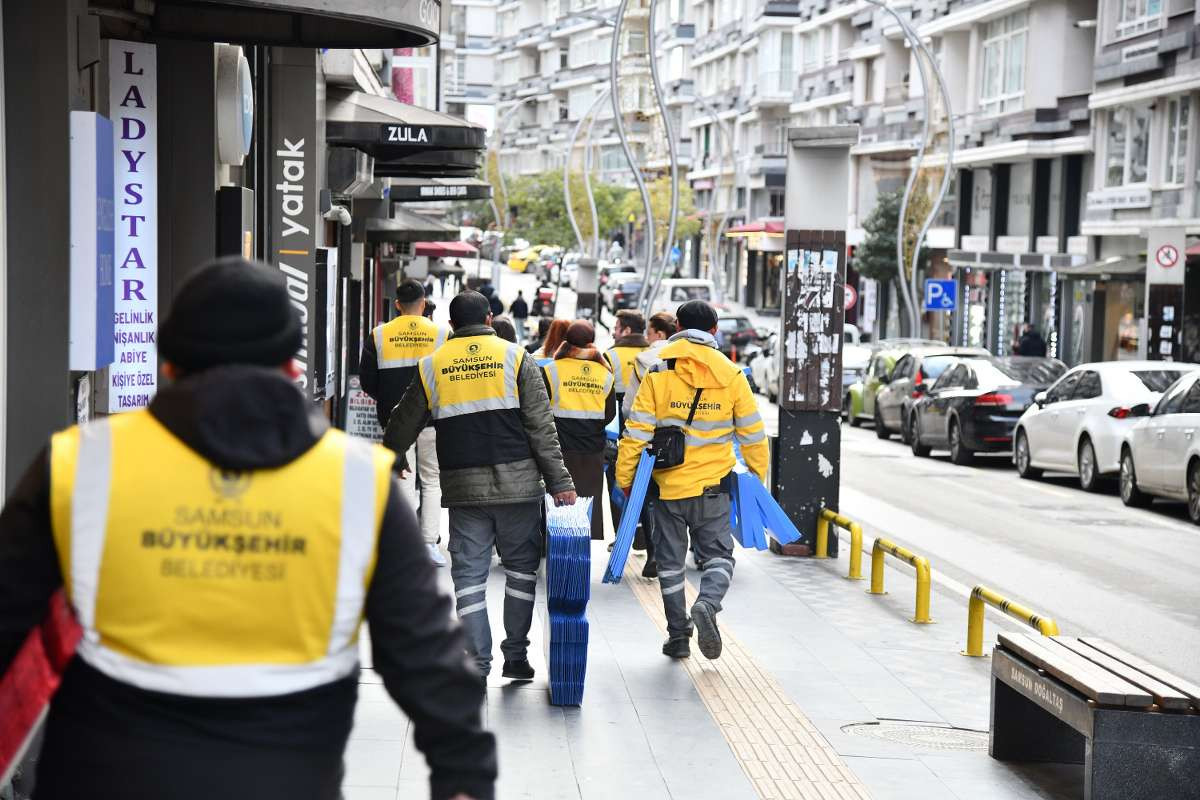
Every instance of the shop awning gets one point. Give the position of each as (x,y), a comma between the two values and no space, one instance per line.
(301,23)
(405,226)
(445,250)
(424,189)
(430,164)
(765,227)
(390,130)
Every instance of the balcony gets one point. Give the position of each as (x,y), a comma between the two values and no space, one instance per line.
(776,8)
(773,88)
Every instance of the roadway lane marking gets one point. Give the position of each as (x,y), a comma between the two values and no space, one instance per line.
(778,747)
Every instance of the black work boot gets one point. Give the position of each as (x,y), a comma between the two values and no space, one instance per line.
(707,634)
(677,647)
(650,570)
(518,670)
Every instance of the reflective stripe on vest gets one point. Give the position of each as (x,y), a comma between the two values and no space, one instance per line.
(471,374)
(578,388)
(622,359)
(405,340)
(195,581)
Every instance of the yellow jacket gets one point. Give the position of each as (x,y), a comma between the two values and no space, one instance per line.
(727,410)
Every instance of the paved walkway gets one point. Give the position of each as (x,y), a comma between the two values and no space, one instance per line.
(823,691)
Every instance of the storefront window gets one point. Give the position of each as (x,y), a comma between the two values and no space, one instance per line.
(1011,311)
(1081,304)
(1128,151)
(1124,318)
(772,264)
(975,318)
(1178,112)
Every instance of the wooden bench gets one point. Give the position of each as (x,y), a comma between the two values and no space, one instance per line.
(1134,727)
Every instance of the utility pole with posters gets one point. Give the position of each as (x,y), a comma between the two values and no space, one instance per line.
(807,463)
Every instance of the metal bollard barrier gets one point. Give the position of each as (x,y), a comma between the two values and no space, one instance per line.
(981,596)
(921,565)
(822,550)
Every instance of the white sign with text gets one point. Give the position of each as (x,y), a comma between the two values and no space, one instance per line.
(133,106)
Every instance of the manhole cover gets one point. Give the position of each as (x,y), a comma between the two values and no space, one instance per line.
(923,736)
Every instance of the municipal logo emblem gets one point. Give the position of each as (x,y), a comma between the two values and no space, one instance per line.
(228,483)
(412,324)
(473,349)
(586,369)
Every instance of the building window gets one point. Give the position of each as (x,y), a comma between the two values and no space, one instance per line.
(1128,154)
(1178,116)
(1137,16)
(564,59)
(1003,73)
(776,200)
(812,50)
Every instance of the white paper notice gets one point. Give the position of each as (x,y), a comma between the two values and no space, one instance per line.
(133,106)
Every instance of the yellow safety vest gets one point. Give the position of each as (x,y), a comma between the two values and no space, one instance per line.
(578,388)
(470,385)
(192,580)
(621,358)
(405,340)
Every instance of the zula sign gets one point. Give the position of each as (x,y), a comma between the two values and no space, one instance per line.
(133,101)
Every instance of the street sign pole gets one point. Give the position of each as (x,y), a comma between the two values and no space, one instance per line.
(806,472)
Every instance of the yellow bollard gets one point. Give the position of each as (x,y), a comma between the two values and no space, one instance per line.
(855,552)
(822,536)
(827,518)
(982,595)
(921,565)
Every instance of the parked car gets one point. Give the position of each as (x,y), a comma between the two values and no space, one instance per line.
(914,372)
(1160,452)
(1078,425)
(975,404)
(606,271)
(675,291)
(735,332)
(569,269)
(855,360)
(764,368)
(621,291)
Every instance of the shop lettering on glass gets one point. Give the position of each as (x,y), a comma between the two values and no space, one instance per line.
(297,238)
(133,103)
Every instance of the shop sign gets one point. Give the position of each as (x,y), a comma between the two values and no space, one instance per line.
(293,191)
(403,134)
(1113,199)
(1012,245)
(133,104)
(1046,244)
(90,324)
(976,244)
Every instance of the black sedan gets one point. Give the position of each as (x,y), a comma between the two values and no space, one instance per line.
(975,404)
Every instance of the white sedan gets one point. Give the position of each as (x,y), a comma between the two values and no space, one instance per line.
(1160,455)
(1078,425)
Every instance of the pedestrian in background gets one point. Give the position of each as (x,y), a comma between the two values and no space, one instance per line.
(387,367)
(697,390)
(581,398)
(556,334)
(208,673)
(429,286)
(1031,343)
(543,328)
(629,340)
(519,310)
(499,455)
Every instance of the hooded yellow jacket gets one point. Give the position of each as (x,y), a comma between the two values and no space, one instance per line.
(727,411)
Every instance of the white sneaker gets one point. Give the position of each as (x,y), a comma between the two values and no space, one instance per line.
(435,555)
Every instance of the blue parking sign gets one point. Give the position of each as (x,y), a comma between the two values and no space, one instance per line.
(941,295)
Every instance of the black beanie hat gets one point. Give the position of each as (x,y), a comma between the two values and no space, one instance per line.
(696,315)
(231,311)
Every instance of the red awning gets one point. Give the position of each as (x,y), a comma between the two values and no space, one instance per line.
(443,249)
(759,226)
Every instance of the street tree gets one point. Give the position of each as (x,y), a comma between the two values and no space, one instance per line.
(688,221)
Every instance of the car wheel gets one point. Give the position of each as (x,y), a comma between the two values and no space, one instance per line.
(1131,495)
(880,430)
(906,427)
(914,439)
(959,453)
(1089,474)
(851,417)
(1194,492)
(1024,458)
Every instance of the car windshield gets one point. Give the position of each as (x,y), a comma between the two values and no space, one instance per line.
(681,294)
(1038,371)
(934,366)
(1156,380)
(994,374)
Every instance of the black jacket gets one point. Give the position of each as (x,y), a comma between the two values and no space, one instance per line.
(1031,344)
(519,309)
(108,739)
(386,386)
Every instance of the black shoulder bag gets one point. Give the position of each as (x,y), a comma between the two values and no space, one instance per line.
(669,441)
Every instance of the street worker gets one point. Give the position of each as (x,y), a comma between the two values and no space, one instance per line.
(581,397)
(629,339)
(387,368)
(555,335)
(218,550)
(697,389)
(504,329)
(660,327)
(499,454)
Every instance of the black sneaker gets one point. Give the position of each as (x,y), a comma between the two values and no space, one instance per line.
(707,635)
(518,670)
(677,647)
(650,570)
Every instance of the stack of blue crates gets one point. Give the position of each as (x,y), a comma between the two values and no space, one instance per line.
(568,576)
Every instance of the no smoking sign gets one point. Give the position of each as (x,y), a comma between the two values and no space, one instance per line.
(1167,256)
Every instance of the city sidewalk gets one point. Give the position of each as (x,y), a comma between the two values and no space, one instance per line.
(823,691)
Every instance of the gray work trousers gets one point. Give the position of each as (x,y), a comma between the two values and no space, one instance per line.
(517,529)
(706,518)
